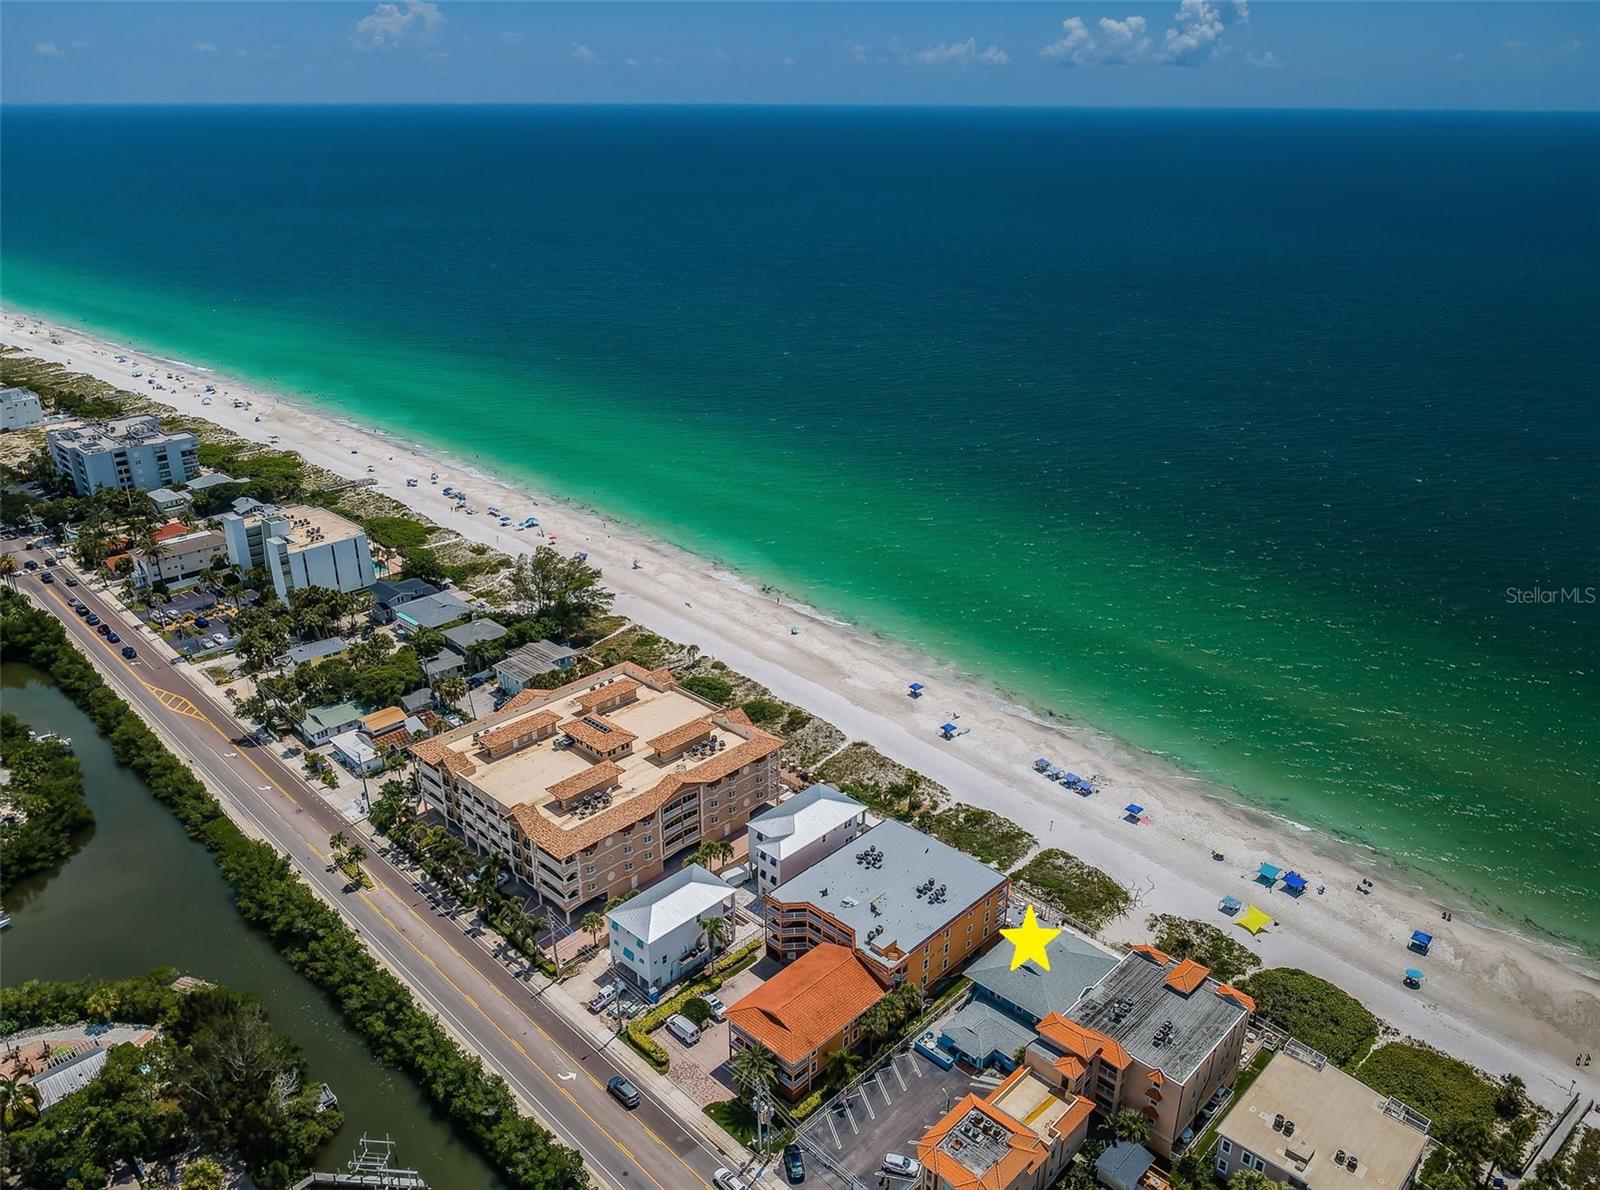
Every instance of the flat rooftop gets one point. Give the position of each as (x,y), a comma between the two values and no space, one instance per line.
(894,887)
(1332,1113)
(1135,1001)
(311,525)
(583,754)
(93,437)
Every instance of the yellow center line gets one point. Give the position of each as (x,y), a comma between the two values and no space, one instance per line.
(466,996)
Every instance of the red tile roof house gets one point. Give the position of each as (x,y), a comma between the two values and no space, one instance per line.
(805,1013)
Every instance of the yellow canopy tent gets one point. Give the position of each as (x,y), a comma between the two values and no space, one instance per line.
(1253,920)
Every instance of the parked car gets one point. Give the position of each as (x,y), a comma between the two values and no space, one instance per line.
(623,1092)
(605,997)
(70,581)
(113,639)
(47,578)
(91,619)
(201,622)
(683,1028)
(794,1165)
(30,564)
(719,1010)
(897,1165)
(219,638)
(726,1179)
(82,609)
(103,629)
(128,652)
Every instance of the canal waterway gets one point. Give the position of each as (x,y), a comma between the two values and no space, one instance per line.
(141,894)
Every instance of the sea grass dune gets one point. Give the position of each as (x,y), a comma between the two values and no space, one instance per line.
(1497,1000)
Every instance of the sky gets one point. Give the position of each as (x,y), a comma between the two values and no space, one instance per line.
(1520,55)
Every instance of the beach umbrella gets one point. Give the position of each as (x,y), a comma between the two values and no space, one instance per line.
(948,730)
(916,689)
(1230,904)
(1133,811)
(1070,778)
(1042,764)
(1414,975)
(1253,919)
(1294,882)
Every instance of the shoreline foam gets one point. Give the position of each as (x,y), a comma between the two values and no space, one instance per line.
(1495,997)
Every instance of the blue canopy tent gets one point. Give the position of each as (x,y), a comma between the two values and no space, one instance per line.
(916,689)
(948,731)
(1230,904)
(1268,874)
(1294,883)
(1071,779)
(1133,812)
(1420,941)
(1042,765)
(1414,977)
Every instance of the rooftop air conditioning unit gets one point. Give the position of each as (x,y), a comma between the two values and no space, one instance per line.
(1277,1122)
(1351,1162)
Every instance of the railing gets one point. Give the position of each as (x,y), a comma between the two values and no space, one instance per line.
(1409,1116)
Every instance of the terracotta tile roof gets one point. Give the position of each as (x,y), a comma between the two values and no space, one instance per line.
(429,752)
(1081,1041)
(498,737)
(1243,1000)
(1155,956)
(170,530)
(679,737)
(1070,1065)
(610,692)
(737,715)
(1187,976)
(598,733)
(597,776)
(808,1003)
(662,678)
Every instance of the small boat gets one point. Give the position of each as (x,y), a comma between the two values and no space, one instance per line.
(5,920)
(326,1098)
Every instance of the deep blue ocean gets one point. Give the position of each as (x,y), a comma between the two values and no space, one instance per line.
(1237,435)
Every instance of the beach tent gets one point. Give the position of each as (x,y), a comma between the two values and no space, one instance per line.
(1420,941)
(1133,812)
(1070,778)
(1042,764)
(1230,904)
(1253,920)
(916,689)
(1268,874)
(948,730)
(1294,882)
(1414,977)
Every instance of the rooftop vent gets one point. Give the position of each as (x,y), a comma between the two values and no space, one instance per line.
(1288,1127)
(1351,1161)
(1338,1158)
(1277,1122)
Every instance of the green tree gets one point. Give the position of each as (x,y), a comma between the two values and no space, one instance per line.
(754,1069)
(718,932)
(1131,1124)
(1249,1179)
(593,924)
(564,589)
(203,1174)
(19,1102)
(712,853)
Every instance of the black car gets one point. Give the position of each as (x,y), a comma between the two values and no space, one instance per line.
(794,1165)
(623,1092)
(47,578)
(91,619)
(30,564)
(82,609)
(113,639)
(103,629)
(70,581)
(128,652)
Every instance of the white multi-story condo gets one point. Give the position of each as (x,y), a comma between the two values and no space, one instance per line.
(129,452)
(587,789)
(659,936)
(300,546)
(19,409)
(795,834)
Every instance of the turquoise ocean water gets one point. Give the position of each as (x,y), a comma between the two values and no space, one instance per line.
(1226,433)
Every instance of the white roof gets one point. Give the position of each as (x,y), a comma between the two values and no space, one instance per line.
(356,746)
(662,908)
(804,818)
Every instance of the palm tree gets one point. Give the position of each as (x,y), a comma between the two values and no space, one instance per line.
(355,855)
(450,690)
(717,932)
(19,1102)
(338,842)
(8,570)
(1132,1125)
(593,924)
(754,1069)
(712,853)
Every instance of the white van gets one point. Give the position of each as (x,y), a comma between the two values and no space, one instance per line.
(683,1028)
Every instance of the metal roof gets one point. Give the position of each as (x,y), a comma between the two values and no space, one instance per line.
(411,588)
(473,632)
(804,818)
(872,886)
(434,611)
(980,1029)
(320,719)
(669,903)
(214,480)
(537,657)
(326,647)
(1135,1001)
(1076,965)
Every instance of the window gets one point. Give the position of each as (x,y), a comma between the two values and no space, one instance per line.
(1247,1158)
(1225,1146)
(628,867)
(1222,1166)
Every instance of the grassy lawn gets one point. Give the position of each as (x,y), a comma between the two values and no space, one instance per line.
(1448,1091)
(1208,1135)
(737,1120)
(1081,892)
(981,833)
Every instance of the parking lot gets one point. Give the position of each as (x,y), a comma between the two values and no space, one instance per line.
(846,1139)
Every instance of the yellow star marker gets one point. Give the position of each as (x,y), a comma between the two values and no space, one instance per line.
(1029,940)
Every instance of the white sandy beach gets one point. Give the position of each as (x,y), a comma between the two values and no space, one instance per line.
(1491,998)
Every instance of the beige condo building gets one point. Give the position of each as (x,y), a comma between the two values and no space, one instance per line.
(587,789)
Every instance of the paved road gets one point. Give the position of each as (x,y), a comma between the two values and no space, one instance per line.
(547,1062)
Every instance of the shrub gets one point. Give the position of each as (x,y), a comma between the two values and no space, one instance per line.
(1456,1097)
(981,833)
(398,533)
(1080,892)
(709,687)
(697,1010)
(1201,941)
(1314,1011)
(46,787)
(764,712)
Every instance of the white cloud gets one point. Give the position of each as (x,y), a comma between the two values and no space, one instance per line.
(1194,38)
(47,49)
(1115,43)
(630,61)
(1074,47)
(960,54)
(204,47)
(387,25)
(1266,61)
(788,61)
(582,53)
(1123,41)
(510,38)
(858,52)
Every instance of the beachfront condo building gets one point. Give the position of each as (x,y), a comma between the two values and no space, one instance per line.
(660,936)
(1020,1136)
(1155,1034)
(300,546)
(19,409)
(1306,1123)
(180,556)
(127,452)
(913,908)
(587,790)
(797,833)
